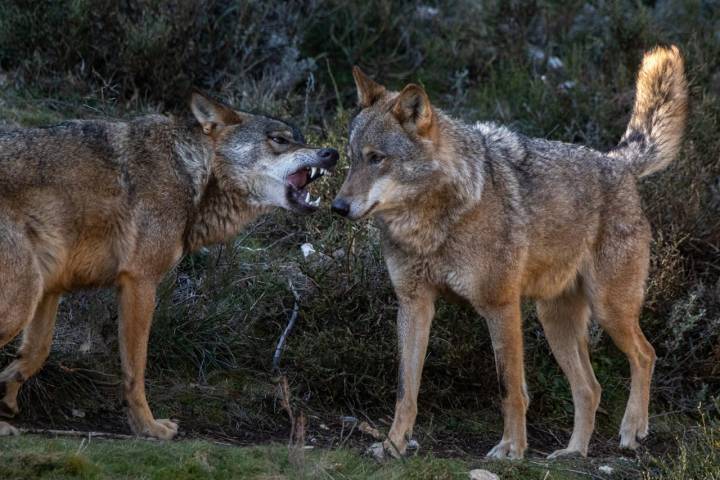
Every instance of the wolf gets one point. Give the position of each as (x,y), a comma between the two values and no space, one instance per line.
(489,216)
(99,203)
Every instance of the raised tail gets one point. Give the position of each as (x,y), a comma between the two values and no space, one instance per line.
(655,131)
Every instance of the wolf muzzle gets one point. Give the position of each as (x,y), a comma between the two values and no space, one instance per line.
(340,206)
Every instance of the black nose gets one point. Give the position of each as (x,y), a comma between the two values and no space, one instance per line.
(329,155)
(341,206)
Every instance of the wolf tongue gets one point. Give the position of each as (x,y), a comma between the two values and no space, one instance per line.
(298,179)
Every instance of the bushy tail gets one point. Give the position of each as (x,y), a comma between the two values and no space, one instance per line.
(653,136)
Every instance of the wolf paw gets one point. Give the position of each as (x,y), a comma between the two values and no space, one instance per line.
(505,450)
(632,430)
(381,451)
(6,430)
(8,411)
(377,451)
(566,452)
(162,429)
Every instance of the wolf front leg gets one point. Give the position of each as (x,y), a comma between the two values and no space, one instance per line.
(137,303)
(505,326)
(414,318)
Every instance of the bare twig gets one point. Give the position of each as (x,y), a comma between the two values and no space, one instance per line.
(297,446)
(297,423)
(284,389)
(288,329)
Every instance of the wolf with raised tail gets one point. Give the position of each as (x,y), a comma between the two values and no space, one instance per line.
(487,215)
(118,203)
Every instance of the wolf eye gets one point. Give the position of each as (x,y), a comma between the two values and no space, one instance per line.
(279,140)
(374,157)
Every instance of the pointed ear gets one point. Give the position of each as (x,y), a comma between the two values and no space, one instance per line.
(212,114)
(413,110)
(367,89)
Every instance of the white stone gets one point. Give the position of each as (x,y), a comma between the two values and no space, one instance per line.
(307,249)
(480,474)
(554,63)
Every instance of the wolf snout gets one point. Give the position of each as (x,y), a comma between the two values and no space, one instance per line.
(341,206)
(328,155)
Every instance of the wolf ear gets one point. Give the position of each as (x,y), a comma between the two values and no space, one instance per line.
(368,90)
(212,114)
(413,110)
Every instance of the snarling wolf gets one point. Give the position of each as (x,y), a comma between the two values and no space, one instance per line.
(118,203)
(490,216)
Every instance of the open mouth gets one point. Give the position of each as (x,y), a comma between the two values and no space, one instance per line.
(297,194)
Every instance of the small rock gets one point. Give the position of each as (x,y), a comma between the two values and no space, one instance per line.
(413,445)
(348,419)
(426,12)
(554,63)
(77,413)
(568,85)
(307,249)
(606,469)
(365,428)
(480,474)
(324,427)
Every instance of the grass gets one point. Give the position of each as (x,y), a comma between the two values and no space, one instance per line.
(35,456)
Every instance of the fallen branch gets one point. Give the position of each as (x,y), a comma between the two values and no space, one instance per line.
(102,435)
(80,433)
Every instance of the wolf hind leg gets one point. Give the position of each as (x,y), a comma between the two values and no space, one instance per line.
(34,350)
(565,322)
(617,301)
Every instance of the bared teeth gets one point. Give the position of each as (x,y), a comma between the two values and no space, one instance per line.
(313,171)
(307,197)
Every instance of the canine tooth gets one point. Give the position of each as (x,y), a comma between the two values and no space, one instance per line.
(313,171)
(307,197)
(316,202)
(323,171)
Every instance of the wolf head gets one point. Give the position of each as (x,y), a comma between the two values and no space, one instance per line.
(265,156)
(393,150)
